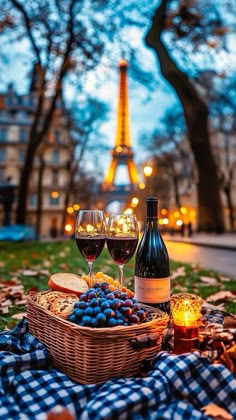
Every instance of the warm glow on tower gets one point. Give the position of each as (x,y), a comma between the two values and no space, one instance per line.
(122,152)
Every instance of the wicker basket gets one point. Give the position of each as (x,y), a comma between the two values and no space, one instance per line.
(95,355)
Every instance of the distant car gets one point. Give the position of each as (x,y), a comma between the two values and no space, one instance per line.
(17,233)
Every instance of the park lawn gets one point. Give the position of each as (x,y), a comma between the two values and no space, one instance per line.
(31,263)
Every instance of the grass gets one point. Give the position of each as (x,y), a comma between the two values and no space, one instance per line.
(44,258)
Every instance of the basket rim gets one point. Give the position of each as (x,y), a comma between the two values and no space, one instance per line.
(161,320)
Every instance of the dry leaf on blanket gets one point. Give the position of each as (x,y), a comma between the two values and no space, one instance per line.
(217,412)
(228,358)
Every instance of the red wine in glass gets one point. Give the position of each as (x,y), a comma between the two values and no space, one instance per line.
(89,247)
(121,249)
(90,235)
(122,239)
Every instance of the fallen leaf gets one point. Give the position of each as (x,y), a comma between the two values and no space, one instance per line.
(20,315)
(223,295)
(229,358)
(219,307)
(208,280)
(180,271)
(217,412)
(29,273)
(47,263)
(44,272)
(225,279)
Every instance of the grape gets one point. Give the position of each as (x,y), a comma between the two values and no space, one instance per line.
(82,305)
(78,313)
(126,311)
(134,319)
(104,285)
(109,313)
(117,293)
(94,302)
(111,322)
(97,310)
(107,291)
(142,315)
(105,305)
(101,319)
(89,311)
(136,307)
(110,296)
(72,318)
(93,323)
(128,303)
(116,303)
(86,320)
(103,299)
(92,295)
(83,297)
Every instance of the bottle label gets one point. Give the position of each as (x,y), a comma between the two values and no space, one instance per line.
(152,290)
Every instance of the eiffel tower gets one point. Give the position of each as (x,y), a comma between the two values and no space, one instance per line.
(122,153)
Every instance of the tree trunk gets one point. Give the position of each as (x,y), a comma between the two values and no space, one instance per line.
(176,191)
(210,212)
(227,191)
(39,194)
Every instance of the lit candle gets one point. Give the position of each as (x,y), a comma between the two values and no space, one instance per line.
(186,312)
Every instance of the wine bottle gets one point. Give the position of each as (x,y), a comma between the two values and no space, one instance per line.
(152,270)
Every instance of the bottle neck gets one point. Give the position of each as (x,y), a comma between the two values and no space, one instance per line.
(151,210)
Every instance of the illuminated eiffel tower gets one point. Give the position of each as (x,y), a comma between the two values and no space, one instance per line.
(122,153)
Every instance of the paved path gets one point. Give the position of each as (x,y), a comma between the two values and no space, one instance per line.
(216,252)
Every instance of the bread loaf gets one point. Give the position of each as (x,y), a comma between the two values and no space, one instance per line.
(68,283)
(60,303)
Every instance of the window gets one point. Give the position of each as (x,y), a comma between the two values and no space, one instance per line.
(3,134)
(22,135)
(54,201)
(33,200)
(2,155)
(55,177)
(57,136)
(55,156)
(21,156)
(2,178)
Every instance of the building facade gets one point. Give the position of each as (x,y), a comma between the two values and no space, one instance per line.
(54,158)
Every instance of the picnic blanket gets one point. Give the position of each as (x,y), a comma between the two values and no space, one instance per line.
(177,387)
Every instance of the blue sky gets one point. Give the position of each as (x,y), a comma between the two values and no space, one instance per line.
(146,107)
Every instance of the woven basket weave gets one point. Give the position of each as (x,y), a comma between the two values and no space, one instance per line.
(95,355)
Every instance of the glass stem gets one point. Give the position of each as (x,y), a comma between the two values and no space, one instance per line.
(121,276)
(90,264)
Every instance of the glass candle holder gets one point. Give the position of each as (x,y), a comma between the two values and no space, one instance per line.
(186,312)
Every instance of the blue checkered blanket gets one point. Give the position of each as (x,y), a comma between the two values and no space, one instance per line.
(176,388)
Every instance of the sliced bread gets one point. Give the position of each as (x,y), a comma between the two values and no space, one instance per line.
(68,283)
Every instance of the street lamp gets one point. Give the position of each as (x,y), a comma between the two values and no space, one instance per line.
(147,170)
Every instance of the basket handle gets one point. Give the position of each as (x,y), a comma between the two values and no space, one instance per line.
(146,341)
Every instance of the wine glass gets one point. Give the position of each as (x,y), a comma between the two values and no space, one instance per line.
(122,240)
(90,235)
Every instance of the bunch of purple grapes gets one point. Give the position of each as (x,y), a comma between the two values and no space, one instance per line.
(100,307)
